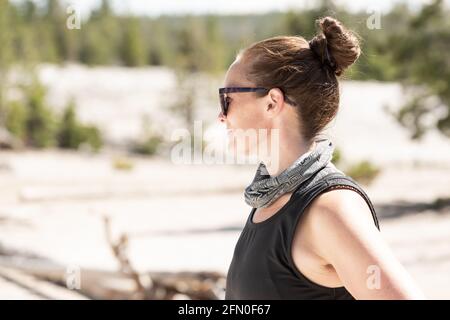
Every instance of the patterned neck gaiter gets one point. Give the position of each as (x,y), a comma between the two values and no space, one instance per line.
(264,189)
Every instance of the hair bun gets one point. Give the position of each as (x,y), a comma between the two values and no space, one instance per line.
(335,45)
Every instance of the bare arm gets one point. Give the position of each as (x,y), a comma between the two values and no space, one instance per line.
(345,236)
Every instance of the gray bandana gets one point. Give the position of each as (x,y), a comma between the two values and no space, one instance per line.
(264,189)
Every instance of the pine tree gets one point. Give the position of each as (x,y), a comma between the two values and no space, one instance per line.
(133,51)
(6,54)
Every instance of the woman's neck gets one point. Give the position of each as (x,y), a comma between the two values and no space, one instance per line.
(287,149)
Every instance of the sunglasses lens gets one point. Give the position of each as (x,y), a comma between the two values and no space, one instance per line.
(223,104)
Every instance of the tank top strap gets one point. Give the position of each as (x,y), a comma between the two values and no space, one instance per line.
(303,196)
(340,181)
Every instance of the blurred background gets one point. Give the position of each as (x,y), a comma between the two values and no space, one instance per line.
(92,203)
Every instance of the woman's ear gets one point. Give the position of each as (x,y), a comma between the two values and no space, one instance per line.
(275,100)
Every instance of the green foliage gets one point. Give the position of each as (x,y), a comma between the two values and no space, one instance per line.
(150,142)
(301,23)
(72,134)
(133,52)
(123,164)
(216,52)
(207,42)
(337,155)
(100,37)
(363,172)
(6,34)
(422,58)
(149,146)
(159,50)
(192,50)
(6,52)
(94,48)
(93,137)
(185,104)
(34,123)
(40,122)
(16,117)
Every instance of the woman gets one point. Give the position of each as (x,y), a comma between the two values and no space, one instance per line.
(313,232)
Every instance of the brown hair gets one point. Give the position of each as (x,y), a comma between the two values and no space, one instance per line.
(305,71)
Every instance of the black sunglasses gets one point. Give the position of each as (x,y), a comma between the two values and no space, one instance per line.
(224,103)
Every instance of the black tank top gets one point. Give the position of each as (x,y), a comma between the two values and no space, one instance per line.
(262,266)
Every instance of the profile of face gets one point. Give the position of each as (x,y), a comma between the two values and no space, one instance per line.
(251,117)
(300,93)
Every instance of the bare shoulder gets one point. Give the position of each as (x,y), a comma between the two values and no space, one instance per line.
(333,216)
(336,217)
(340,207)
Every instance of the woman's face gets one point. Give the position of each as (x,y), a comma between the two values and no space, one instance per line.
(246,115)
